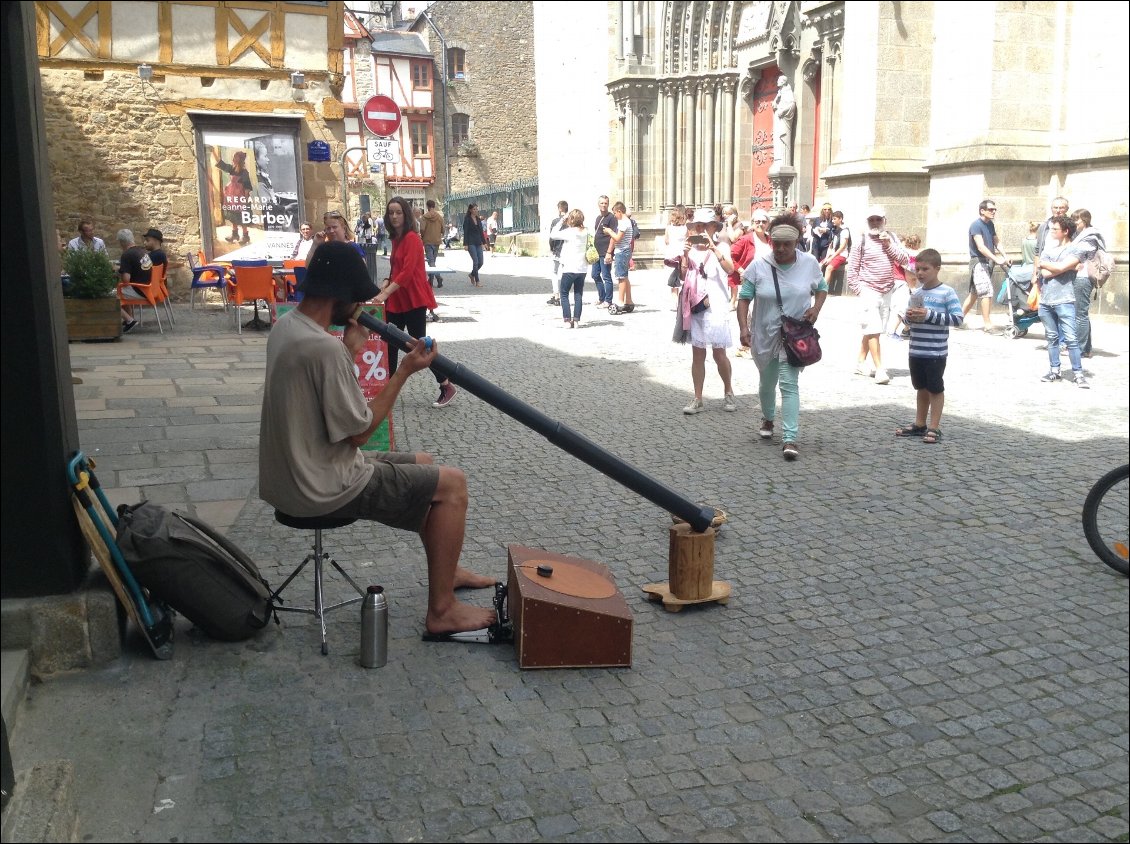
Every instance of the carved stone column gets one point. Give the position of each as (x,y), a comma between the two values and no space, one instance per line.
(687,151)
(709,141)
(729,126)
(671,152)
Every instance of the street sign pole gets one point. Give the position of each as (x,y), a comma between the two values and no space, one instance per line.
(345,180)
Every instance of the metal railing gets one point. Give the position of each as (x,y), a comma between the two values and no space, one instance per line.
(521,196)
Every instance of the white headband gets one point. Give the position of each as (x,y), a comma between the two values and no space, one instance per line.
(784,232)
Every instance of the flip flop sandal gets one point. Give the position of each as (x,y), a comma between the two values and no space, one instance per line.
(932,435)
(911,430)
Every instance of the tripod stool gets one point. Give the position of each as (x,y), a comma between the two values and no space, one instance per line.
(319,610)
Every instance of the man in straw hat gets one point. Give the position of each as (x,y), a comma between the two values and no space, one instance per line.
(315,420)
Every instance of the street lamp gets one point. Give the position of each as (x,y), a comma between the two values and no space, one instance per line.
(298,86)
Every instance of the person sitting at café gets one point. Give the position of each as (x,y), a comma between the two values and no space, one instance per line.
(305,242)
(155,244)
(135,265)
(86,238)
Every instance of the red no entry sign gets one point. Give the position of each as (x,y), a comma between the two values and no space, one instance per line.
(381,115)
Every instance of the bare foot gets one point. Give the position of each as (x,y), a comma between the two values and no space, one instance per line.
(460,617)
(465,579)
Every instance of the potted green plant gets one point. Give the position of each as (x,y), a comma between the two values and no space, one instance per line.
(90,297)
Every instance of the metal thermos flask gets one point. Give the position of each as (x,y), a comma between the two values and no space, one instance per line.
(374,628)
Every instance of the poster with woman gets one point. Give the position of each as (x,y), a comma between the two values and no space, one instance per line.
(250,191)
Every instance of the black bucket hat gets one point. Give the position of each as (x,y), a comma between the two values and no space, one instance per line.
(337,271)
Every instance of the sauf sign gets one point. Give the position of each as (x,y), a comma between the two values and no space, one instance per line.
(382,150)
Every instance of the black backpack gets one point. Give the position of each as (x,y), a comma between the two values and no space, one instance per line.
(196,570)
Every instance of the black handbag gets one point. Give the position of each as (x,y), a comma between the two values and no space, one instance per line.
(802,340)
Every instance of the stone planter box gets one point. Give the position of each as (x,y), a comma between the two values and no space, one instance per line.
(93,319)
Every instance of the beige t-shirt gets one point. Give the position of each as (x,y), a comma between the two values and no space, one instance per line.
(312,404)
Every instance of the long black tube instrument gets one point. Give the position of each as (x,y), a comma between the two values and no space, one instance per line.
(560,435)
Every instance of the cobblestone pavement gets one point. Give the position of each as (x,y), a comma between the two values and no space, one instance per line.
(920,645)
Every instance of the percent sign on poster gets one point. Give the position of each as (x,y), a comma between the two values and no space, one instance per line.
(372,360)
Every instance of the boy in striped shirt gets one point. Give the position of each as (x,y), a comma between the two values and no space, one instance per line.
(933,308)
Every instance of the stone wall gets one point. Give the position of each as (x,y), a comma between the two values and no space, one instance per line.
(123,153)
(497,93)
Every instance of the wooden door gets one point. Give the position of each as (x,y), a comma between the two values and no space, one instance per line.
(763,93)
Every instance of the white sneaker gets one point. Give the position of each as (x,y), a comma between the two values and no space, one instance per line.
(694,407)
(729,403)
(864,371)
(881,377)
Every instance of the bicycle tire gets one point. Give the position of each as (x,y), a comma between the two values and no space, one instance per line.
(1109,553)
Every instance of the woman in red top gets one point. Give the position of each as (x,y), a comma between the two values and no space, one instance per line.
(406,294)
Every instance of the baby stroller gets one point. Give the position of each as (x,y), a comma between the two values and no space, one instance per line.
(1014,294)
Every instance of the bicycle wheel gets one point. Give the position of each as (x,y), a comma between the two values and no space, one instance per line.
(1106,518)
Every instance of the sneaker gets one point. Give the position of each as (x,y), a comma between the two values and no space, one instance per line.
(696,406)
(766,429)
(881,377)
(730,403)
(993,331)
(789,451)
(446,395)
(127,327)
(1081,381)
(1053,375)
(864,371)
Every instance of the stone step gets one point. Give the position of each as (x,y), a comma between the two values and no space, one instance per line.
(43,807)
(14,674)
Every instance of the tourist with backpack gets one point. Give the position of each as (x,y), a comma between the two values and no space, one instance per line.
(1086,255)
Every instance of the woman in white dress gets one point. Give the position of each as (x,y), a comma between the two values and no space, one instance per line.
(704,305)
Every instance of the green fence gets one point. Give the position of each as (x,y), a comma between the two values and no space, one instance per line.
(521,197)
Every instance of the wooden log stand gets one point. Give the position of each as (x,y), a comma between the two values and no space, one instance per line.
(690,567)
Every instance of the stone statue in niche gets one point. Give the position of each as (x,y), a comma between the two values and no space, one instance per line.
(784,111)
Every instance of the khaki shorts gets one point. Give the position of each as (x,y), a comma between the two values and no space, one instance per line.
(399,494)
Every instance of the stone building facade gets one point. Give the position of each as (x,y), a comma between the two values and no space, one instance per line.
(488,70)
(129,88)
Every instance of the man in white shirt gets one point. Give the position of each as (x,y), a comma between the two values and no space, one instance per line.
(86,238)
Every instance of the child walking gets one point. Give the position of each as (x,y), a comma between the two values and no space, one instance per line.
(933,308)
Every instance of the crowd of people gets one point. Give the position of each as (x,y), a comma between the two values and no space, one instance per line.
(788,265)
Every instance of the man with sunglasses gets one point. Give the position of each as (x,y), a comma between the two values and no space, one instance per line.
(984,254)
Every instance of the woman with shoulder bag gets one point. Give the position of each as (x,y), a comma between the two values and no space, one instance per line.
(788,282)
